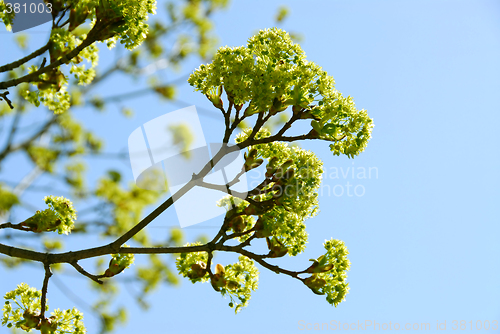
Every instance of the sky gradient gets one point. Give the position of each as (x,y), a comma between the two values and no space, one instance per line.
(422,237)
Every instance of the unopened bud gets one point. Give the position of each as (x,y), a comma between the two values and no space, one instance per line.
(271,166)
(232,285)
(281,170)
(237,224)
(289,174)
(315,283)
(253,164)
(31,320)
(252,154)
(260,231)
(277,249)
(316,268)
(198,270)
(48,326)
(219,269)
(217,280)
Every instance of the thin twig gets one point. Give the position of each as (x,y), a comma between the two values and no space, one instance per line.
(259,259)
(43,302)
(21,61)
(82,271)
(222,188)
(14,227)
(9,102)
(34,76)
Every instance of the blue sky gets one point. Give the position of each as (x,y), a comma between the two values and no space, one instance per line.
(423,237)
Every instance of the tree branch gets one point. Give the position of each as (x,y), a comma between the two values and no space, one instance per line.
(82,271)
(310,135)
(13,226)
(34,76)
(17,63)
(223,188)
(115,247)
(43,303)
(4,96)
(258,258)
(227,120)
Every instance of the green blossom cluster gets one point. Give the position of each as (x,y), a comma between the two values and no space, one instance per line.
(63,41)
(60,216)
(242,278)
(74,133)
(53,91)
(193,265)
(22,310)
(7,18)
(118,263)
(340,122)
(333,282)
(241,222)
(54,96)
(129,20)
(125,21)
(76,178)
(68,321)
(236,280)
(272,73)
(299,200)
(19,300)
(123,260)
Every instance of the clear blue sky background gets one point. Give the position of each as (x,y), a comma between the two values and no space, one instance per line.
(423,238)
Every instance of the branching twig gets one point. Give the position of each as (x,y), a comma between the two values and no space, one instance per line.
(17,63)
(43,303)
(34,76)
(227,120)
(258,258)
(14,226)
(115,247)
(4,96)
(95,278)
(222,188)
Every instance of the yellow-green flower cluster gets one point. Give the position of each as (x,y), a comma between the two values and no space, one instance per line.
(336,286)
(242,278)
(17,302)
(272,73)
(123,260)
(192,265)
(58,217)
(68,321)
(343,124)
(134,29)
(53,92)
(300,193)
(22,310)
(118,263)
(6,17)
